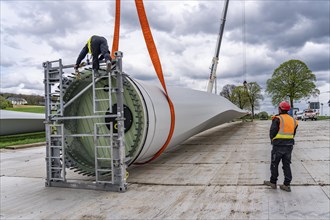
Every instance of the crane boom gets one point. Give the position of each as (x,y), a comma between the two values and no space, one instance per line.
(215,59)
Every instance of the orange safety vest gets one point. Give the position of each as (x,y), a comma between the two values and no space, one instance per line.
(287,127)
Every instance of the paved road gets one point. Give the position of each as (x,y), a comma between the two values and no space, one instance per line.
(216,174)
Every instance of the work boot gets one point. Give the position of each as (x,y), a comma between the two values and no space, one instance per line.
(268,183)
(285,188)
(108,66)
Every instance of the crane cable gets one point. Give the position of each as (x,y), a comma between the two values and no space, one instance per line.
(151,46)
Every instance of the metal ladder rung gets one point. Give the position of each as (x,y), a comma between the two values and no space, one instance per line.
(103,158)
(55,146)
(113,90)
(54,71)
(100,88)
(103,135)
(56,168)
(100,111)
(107,147)
(104,147)
(101,100)
(55,135)
(55,157)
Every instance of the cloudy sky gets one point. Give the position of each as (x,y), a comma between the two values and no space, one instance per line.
(259,36)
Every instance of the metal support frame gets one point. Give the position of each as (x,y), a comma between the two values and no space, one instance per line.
(119,147)
(112,178)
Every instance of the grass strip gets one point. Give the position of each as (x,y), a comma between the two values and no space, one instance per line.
(323,117)
(17,139)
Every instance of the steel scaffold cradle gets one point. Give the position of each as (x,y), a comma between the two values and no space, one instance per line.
(64,139)
(81,139)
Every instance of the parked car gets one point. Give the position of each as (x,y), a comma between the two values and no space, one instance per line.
(309,114)
(298,115)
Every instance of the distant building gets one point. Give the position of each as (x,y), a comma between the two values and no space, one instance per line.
(17,101)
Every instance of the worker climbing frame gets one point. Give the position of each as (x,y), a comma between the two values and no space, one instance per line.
(110,167)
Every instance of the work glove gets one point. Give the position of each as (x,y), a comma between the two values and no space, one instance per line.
(76,67)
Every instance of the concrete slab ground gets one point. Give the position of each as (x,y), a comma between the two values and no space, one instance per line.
(217,174)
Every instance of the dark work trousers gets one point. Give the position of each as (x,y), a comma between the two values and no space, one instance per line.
(99,46)
(281,153)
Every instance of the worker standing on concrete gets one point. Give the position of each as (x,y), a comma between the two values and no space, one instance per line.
(95,46)
(282,132)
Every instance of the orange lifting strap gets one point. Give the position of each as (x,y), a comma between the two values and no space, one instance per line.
(155,61)
(115,40)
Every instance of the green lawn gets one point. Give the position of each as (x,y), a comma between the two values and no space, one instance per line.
(28,138)
(32,109)
(323,117)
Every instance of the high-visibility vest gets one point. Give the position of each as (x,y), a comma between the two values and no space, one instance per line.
(89,45)
(287,127)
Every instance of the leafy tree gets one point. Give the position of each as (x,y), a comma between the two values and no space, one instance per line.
(240,97)
(263,115)
(5,103)
(253,92)
(291,79)
(228,92)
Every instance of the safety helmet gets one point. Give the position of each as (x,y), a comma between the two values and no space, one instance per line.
(284,106)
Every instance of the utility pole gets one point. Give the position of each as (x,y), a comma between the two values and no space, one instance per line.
(213,75)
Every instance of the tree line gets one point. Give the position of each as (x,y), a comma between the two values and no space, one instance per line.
(31,99)
(292,80)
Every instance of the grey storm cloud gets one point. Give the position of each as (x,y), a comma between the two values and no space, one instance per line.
(188,22)
(276,23)
(128,19)
(36,85)
(286,24)
(319,63)
(161,18)
(47,18)
(322,77)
